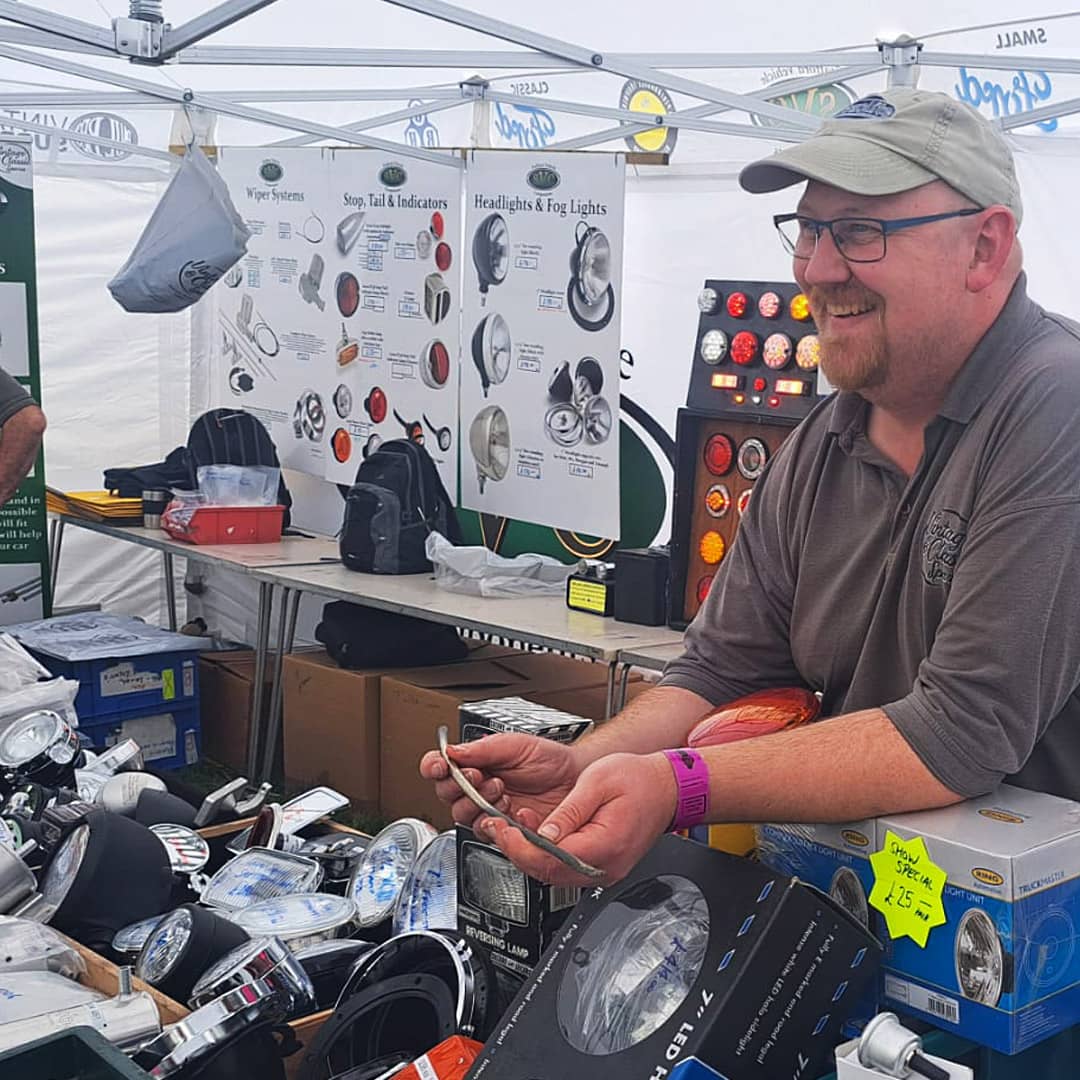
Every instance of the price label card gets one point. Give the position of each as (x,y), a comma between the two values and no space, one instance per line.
(907,888)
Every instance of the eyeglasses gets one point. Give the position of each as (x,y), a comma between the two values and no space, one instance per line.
(858,239)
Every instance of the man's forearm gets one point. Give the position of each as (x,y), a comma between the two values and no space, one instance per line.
(844,769)
(20,440)
(658,719)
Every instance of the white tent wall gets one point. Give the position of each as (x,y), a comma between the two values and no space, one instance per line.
(114,385)
(123,389)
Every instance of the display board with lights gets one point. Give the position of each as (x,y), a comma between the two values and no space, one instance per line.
(753,377)
(756,351)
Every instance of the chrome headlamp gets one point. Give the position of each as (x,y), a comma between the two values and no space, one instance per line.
(128,941)
(979,958)
(489,441)
(491,252)
(428,898)
(590,295)
(183,945)
(378,879)
(302,920)
(265,960)
(43,747)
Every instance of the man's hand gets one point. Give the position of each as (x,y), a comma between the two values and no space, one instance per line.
(520,774)
(613,815)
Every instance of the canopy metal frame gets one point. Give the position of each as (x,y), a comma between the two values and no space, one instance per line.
(35,36)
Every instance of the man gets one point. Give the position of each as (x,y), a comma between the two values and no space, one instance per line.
(912,551)
(22,425)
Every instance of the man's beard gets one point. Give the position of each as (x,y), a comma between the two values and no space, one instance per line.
(851,365)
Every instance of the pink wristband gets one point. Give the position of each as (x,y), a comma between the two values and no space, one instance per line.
(692,778)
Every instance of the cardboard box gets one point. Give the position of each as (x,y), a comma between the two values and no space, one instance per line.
(226,685)
(508,914)
(331,727)
(414,704)
(1004,970)
(836,860)
(743,968)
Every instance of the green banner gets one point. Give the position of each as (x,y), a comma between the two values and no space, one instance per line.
(24,563)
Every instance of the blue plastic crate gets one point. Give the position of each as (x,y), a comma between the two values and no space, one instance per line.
(169,734)
(126,684)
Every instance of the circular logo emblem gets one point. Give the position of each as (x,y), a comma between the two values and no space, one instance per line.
(103,125)
(646,97)
(271,171)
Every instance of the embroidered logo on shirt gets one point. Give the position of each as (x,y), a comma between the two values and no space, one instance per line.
(942,540)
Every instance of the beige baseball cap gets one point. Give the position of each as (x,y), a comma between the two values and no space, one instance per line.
(894,141)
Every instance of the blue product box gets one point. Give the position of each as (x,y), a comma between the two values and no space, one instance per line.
(1004,970)
(836,860)
(169,735)
(131,683)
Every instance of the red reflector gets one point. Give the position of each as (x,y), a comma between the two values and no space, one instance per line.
(760,384)
(438,226)
(774,402)
(737,303)
(719,455)
(703,587)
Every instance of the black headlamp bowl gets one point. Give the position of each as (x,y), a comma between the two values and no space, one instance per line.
(107,873)
(43,747)
(182,946)
(328,965)
(398,1019)
(590,295)
(491,252)
(465,971)
(491,350)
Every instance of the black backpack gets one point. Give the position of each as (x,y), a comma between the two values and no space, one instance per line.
(397,500)
(233,437)
(360,637)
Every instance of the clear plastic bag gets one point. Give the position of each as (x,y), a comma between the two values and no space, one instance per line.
(17,667)
(192,238)
(56,694)
(480,572)
(239,485)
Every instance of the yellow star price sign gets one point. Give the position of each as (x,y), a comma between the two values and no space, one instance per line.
(907,888)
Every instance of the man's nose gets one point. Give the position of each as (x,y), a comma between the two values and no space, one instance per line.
(826,265)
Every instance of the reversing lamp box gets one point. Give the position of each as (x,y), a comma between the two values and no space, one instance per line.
(697,954)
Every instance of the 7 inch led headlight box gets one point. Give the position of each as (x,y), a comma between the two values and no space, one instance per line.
(696,954)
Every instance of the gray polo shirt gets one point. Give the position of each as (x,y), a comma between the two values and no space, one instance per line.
(950,600)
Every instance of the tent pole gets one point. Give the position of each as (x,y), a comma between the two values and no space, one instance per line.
(61,25)
(380,121)
(209,22)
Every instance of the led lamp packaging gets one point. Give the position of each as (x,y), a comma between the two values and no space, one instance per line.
(696,954)
(450,1060)
(510,915)
(514,714)
(836,860)
(1004,970)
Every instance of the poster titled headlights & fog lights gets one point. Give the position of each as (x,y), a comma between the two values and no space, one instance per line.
(540,338)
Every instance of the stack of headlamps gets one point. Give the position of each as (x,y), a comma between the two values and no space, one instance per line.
(295,919)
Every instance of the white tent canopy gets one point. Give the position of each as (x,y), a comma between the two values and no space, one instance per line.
(413,74)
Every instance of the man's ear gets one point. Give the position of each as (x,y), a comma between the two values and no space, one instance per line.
(994,243)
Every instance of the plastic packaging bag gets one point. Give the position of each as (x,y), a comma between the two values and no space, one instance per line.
(192,238)
(17,667)
(56,694)
(480,572)
(29,946)
(239,485)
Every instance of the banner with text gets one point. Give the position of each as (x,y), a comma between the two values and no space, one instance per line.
(339,329)
(24,565)
(540,338)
